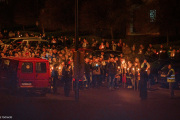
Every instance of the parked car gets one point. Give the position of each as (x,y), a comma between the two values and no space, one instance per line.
(19,41)
(31,42)
(9,41)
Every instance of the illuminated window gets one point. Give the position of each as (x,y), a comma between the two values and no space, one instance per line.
(152,15)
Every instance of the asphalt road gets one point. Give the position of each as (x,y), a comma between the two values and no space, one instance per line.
(94,104)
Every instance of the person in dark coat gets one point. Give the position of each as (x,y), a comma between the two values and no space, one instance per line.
(67,75)
(55,78)
(143,83)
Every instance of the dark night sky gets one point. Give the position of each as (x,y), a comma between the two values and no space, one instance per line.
(93,14)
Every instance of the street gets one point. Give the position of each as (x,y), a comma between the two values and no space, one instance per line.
(94,104)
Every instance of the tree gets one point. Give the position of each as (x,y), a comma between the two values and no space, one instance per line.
(104,15)
(169,18)
(24,12)
(57,14)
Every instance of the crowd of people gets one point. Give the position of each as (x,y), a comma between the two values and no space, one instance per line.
(117,70)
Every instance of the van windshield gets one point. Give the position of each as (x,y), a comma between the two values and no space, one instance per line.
(27,67)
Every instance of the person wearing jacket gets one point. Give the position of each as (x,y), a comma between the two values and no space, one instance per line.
(112,69)
(170,79)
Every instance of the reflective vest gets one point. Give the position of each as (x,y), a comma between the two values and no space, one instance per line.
(128,76)
(172,77)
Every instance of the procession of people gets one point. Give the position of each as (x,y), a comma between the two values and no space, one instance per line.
(128,69)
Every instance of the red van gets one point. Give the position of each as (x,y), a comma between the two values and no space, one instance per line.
(25,74)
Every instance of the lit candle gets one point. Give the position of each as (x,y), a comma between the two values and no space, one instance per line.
(133,68)
(59,67)
(102,46)
(173,54)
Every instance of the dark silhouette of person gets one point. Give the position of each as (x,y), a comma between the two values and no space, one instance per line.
(55,78)
(67,75)
(143,83)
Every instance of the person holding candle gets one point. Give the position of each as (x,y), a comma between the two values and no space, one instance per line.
(118,77)
(129,74)
(102,46)
(136,74)
(123,67)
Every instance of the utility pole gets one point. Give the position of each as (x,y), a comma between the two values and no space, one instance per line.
(77,56)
